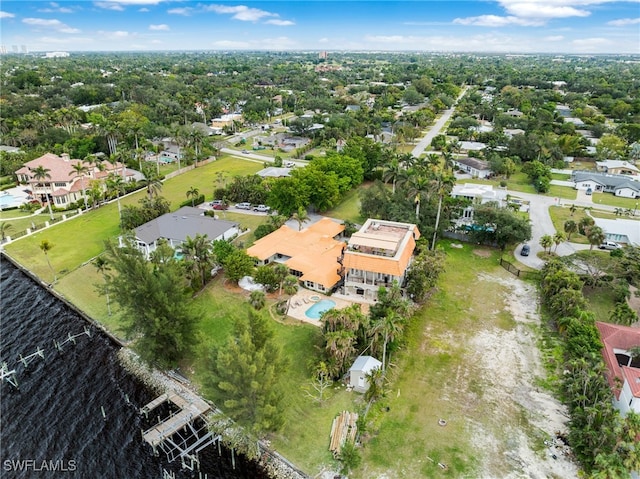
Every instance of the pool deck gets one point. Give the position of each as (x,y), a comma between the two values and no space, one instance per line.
(300,302)
(19,195)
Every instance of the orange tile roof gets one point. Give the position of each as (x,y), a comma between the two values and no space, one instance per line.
(618,337)
(395,266)
(312,251)
(632,376)
(61,170)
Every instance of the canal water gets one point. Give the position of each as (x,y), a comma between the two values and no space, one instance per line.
(52,425)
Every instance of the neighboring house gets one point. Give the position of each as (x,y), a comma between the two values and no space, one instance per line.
(511,132)
(476,168)
(514,112)
(362,366)
(352,108)
(617,167)
(177,226)
(625,232)
(377,255)
(206,129)
(472,145)
(477,195)
(623,371)
(312,255)
(274,172)
(225,120)
(67,186)
(619,185)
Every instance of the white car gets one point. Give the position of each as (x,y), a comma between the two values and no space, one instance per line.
(261,208)
(243,206)
(289,164)
(610,245)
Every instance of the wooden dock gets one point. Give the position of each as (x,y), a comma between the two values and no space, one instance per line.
(190,409)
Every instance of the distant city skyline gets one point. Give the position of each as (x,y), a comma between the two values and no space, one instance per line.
(502,26)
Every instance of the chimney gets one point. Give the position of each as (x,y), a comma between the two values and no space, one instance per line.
(65,156)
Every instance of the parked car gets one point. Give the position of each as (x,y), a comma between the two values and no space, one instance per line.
(220,206)
(261,208)
(216,202)
(245,152)
(610,245)
(526,249)
(589,191)
(243,206)
(289,164)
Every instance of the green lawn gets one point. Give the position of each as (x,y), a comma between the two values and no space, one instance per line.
(82,238)
(520,182)
(560,214)
(349,207)
(24,220)
(611,200)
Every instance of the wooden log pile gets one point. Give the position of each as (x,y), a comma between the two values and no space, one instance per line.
(343,429)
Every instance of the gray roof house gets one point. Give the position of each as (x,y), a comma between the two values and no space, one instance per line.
(274,172)
(476,168)
(177,226)
(626,232)
(358,372)
(619,185)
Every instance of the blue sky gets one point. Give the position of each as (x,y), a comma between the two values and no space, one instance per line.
(502,26)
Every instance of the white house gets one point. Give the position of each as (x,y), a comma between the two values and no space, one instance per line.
(623,371)
(362,366)
(620,185)
(477,195)
(177,226)
(625,232)
(617,167)
(476,168)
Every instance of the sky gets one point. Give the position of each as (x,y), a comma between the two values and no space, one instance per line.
(495,26)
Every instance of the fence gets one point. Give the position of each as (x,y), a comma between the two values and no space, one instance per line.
(518,272)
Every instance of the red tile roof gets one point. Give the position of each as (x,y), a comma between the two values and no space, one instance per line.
(616,337)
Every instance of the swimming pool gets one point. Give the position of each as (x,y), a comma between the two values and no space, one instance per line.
(316,310)
(9,201)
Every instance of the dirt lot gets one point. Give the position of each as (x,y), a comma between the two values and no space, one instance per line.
(509,363)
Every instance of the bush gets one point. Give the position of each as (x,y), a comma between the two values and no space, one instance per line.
(198,201)
(263,230)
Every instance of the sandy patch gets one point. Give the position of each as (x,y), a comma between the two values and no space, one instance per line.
(509,362)
(483,253)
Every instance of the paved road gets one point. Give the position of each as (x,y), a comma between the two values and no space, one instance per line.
(436,128)
(250,155)
(541,225)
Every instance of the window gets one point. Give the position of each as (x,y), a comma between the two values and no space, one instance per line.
(59,185)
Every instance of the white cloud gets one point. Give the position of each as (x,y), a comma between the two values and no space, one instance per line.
(138,2)
(162,27)
(231,44)
(280,23)
(55,8)
(553,38)
(623,22)
(545,9)
(240,12)
(109,6)
(497,21)
(586,43)
(6,15)
(65,40)
(279,43)
(323,40)
(50,23)
(186,11)
(143,9)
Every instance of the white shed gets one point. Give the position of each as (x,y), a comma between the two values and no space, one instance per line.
(358,372)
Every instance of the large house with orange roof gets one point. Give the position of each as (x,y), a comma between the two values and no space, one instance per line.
(623,371)
(64,185)
(377,255)
(313,254)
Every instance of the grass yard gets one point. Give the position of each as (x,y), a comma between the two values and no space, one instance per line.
(520,182)
(617,201)
(601,301)
(560,214)
(21,220)
(82,238)
(349,207)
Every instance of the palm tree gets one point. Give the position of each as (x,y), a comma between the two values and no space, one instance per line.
(300,216)
(80,170)
(417,188)
(570,227)
(152,183)
(195,138)
(41,173)
(585,223)
(546,241)
(388,328)
(572,209)
(595,235)
(46,246)
(391,173)
(115,183)
(102,265)
(558,238)
(193,193)
(4,228)
(257,299)
(443,184)
(199,252)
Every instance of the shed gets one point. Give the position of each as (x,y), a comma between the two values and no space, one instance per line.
(362,366)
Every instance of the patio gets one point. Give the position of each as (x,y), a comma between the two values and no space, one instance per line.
(305,299)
